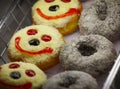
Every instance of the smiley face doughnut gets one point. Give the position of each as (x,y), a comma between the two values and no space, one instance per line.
(20,75)
(37,44)
(102,18)
(61,14)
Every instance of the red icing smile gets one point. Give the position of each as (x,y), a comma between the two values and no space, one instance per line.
(0,68)
(45,50)
(69,13)
(28,85)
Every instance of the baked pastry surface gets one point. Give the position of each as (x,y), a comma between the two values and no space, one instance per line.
(71,80)
(20,75)
(93,54)
(61,14)
(102,18)
(37,44)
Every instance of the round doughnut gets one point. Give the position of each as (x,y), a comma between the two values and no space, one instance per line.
(102,18)
(93,54)
(61,14)
(20,75)
(71,80)
(37,44)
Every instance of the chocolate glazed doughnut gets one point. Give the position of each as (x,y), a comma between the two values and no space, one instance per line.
(71,80)
(93,54)
(103,18)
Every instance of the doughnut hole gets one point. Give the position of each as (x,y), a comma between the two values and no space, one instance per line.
(86,50)
(68,81)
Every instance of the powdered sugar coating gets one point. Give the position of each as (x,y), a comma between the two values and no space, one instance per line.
(103,18)
(100,59)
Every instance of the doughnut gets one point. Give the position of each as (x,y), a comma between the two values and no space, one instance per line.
(37,44)
(71,80)
(102,18)
(20,75)
(61,14)
(93,54)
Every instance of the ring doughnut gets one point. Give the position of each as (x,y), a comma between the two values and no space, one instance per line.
(71,80)
(93,54)
(102,18)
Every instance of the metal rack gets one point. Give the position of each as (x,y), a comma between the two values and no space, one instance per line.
(112,76)
(18,16)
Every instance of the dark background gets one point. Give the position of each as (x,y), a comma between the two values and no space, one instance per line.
(4,5)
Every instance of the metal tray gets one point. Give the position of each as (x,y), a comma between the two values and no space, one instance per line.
(16,14)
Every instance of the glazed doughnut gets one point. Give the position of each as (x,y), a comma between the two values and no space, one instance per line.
(93,54)
(71,80)
(37,44)
(20,75)
(61,14)
(103,18)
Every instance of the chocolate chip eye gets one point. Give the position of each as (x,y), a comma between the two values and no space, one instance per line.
(34,42)
(15,75)
(54,7)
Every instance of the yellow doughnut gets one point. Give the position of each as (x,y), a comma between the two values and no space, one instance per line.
(20,75)
(61,14)
(37,44)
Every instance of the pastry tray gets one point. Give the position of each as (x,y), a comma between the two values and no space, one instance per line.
(16,14)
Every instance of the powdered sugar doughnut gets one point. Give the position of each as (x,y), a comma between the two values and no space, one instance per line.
(93,54)
(103,18)
(71,80)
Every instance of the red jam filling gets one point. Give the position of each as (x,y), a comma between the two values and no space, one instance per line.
(46,38)
(66,1)
(45,50)
(30,73)
(69,13)
(49,0)
(14,65)
(27,85)
(32,32)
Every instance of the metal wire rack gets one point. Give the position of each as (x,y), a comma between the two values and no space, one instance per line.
(17,16)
